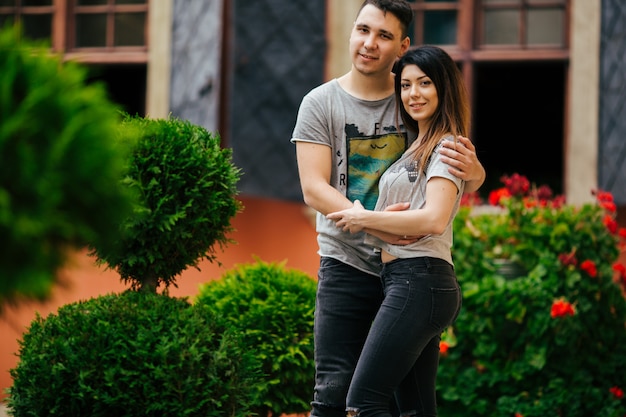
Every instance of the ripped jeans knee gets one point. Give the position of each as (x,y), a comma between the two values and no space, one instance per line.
(352,412)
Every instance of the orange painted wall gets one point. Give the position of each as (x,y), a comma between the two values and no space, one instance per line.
(270,230)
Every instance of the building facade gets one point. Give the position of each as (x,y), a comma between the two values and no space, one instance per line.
(546,77)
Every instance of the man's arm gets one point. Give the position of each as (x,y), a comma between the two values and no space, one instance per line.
(314,167)
(464,163)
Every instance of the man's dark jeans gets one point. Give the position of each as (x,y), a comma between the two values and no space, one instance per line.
(347,302)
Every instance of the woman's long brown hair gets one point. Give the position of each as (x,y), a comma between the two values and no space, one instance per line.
(452,116)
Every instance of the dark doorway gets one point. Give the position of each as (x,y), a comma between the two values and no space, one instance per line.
(125,83)
(519,121)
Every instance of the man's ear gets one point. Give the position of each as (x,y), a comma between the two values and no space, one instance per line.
(406,43)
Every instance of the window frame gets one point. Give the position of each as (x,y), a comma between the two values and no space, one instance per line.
(62,39)
(470,30)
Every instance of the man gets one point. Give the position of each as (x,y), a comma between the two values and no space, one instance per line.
(345,137)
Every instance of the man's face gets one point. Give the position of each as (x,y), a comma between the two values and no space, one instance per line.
(376,41)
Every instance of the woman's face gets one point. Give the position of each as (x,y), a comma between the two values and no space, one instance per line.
(419,95)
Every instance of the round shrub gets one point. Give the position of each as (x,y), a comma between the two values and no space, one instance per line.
(62,157)
(272,307)
(133,354)
(186,185)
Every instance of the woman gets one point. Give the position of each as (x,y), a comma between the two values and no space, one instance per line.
(422,295)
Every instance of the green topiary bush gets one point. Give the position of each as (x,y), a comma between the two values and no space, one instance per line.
(273,309)
(62,156)
(134,354)
(551,341)
(187,196)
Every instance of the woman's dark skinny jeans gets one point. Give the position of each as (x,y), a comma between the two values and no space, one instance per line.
(421,298)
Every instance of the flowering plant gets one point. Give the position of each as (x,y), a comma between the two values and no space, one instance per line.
(551,341)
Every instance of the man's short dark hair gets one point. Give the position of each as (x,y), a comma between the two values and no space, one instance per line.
(399,8)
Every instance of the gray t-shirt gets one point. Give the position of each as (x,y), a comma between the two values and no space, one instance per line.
(364,139)
(403,183)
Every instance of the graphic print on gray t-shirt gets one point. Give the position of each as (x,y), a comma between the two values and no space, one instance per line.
(368,158)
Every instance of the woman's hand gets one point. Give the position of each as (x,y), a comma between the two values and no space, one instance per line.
(348,219)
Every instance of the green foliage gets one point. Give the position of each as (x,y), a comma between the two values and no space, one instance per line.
(187,190)
(273,308)
(134,354)
(551,342)
(61,161)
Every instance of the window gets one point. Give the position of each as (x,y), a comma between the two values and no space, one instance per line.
(522,23)
(109,36)
(491,24)
(107,24)
(35,16)
(96,31)
(436,22)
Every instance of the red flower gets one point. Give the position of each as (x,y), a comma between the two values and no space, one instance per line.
(516,184)
(568,259)
(620,268)
(608,206)
(443,348)
(610,224)
(496,195)
(471,199)
(603,196)
(530,203)
(519,415)
(622,232)
(558,202)
(617,392)
(561,308)
(590,268)
(544,193)
(621,274)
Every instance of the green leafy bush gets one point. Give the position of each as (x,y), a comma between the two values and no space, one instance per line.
(552,341)
(273,308)
(61,160)
(134,354)
(187,196)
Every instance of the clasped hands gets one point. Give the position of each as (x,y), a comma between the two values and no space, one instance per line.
(351,220)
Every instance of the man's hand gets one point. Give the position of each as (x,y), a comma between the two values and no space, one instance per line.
(461,156)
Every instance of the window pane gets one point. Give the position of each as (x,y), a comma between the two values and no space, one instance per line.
(545,26)
(130,1)
(129,29)
(91,2)
(37,26)
(502,1)
(90,30)
(7,3)
(501,27)
(36,3)
(440,27)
